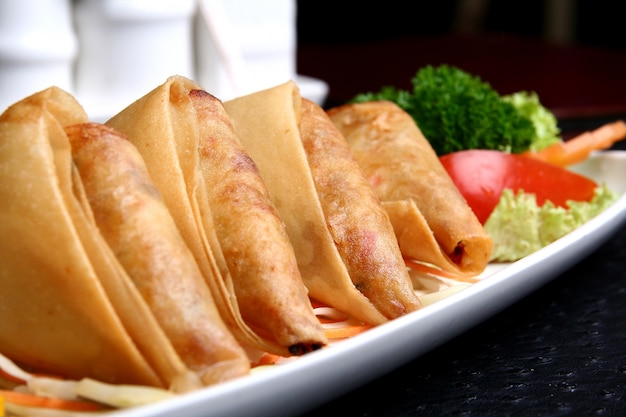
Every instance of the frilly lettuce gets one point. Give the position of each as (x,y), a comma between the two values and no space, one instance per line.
(547,131)
(519,227)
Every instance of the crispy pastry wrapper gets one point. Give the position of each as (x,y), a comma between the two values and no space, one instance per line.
(432,220)
(66,304)
(253,238)
(135,222)
(342,238)
(221,207)
(357,221)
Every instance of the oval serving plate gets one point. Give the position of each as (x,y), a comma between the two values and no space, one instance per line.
(303,384)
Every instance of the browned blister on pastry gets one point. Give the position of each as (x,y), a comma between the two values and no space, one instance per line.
(178,143)
(67,305)
(133,219)
(433,222)
(356,219)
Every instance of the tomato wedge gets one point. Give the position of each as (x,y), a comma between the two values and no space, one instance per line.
(481,175)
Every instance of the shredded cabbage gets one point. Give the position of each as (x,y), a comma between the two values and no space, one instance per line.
(519,227)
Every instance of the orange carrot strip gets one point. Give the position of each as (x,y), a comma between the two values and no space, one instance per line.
(345,332)
(578,148)
(267,359)
(326,320)
(427,269)
(31,400)
(10,377)
(333,322)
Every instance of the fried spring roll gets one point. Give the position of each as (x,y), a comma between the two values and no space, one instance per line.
(433,222)
(67,305)
(356,220)
(177,140)
(132,217)
(269,125)
(252,236)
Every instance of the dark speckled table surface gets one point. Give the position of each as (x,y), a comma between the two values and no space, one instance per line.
(559,351)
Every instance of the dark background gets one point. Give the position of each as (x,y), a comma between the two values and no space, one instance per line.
(574,58)
(593,22)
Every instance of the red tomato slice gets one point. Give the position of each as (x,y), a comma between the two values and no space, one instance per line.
(481,175)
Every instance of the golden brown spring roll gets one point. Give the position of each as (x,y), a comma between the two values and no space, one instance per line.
(185,138)
(252,236)
(133,219)
(67,305)
(356,220)
(432,220)
(269,125)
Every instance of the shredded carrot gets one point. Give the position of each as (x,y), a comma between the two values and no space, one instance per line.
(422,267)
(10,377)
(427,269)
(578,148)
(267,359)
(345,331)
(31,400)
(338,325)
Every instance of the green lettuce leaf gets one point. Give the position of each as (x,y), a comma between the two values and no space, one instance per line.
(547,131)
(519,227)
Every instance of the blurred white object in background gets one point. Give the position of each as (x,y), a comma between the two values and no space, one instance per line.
(37,47)
(129,47)
(312,88)
(122,49)
(243,46)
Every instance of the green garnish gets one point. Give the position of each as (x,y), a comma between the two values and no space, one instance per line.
(519,227)
(456,111)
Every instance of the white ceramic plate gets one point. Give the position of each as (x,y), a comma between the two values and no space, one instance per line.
(310,381)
